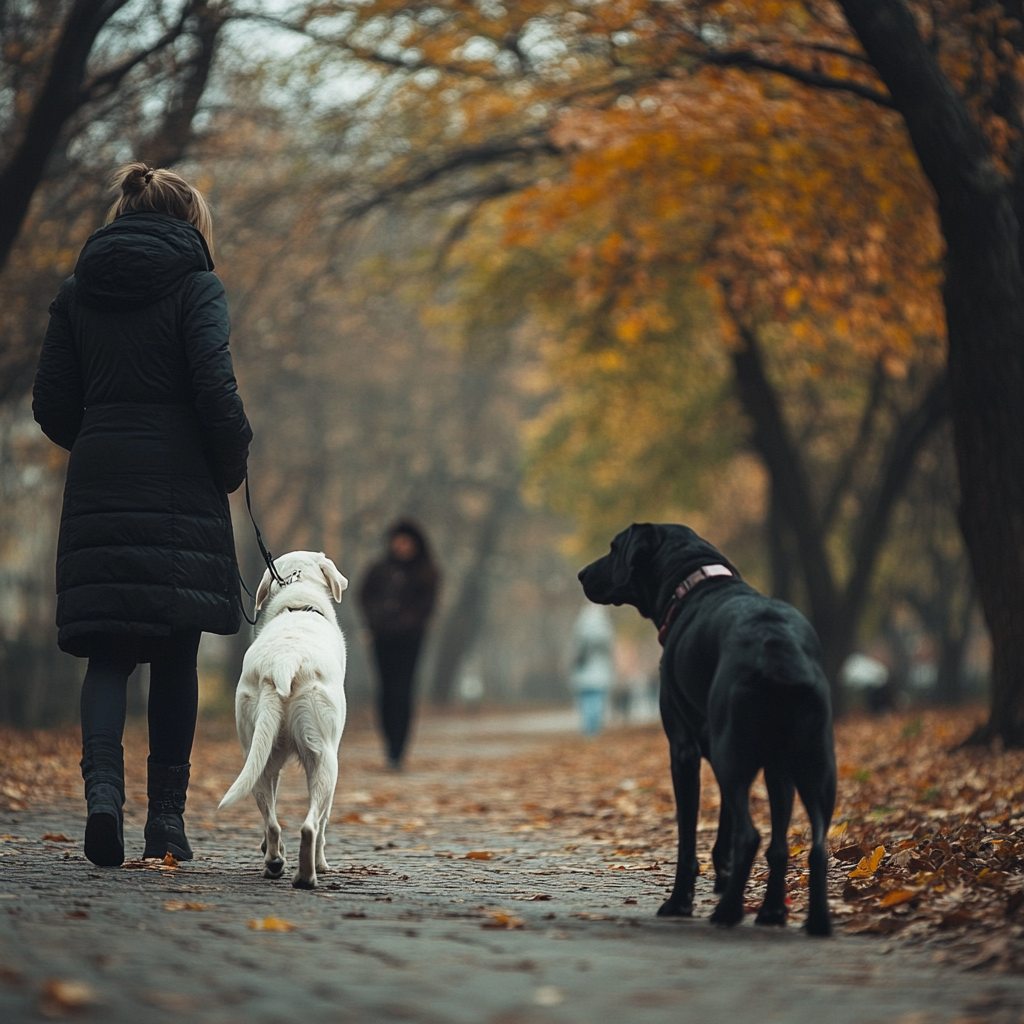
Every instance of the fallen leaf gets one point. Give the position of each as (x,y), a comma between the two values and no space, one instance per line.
(184,905)
(170,861)
(956,918)
(868,865)
(989,877)
(479,855)
(547,995)
(78,915)
(56,837)
(62,995)
(849,854)
(501,919)
(895,897)
(868,925)
(272,924)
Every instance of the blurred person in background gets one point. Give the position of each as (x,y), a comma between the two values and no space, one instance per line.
(593,667)
(397,598)
(135,380)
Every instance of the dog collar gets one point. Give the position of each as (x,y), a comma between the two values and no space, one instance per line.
(705,572)
(308,608)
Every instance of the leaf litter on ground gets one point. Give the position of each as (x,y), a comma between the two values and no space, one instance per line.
(927,841)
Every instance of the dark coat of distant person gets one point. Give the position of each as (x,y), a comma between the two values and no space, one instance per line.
(157,440)
(397,597)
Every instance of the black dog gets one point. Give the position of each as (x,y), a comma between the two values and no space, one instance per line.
(742,684)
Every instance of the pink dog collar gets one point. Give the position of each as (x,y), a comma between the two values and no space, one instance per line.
(705,572)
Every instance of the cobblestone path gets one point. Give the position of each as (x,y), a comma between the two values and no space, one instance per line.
(435,911)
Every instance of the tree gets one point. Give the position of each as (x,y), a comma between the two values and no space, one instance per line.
(958,92)
(62,86)
(980,207)
(925,565)
(696,246)
(85,87)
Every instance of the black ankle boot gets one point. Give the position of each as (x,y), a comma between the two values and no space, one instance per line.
(103,772)
(165,827)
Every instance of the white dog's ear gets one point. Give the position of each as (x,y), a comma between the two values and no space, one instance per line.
(263,589)
(334,579)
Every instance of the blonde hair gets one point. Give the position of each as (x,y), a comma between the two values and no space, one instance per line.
(141,187)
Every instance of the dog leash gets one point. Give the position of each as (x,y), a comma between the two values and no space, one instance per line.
(705,572)
(267,557)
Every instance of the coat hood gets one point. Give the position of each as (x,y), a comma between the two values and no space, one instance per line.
(137,260)
(409,526)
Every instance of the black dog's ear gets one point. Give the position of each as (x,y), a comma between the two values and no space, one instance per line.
(638,544)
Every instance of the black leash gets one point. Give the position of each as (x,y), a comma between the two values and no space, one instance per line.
(267,557)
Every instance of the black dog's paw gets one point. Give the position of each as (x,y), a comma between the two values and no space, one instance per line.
(771,916)
(819,924)
(721,881)
(673,907)
(727,915)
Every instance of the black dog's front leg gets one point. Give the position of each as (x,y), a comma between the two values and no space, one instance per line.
(685,755)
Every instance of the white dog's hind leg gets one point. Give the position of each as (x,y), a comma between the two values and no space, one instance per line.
(325,817)
(265,793)
(321,781)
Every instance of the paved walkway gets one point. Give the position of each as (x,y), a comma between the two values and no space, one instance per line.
(535,928)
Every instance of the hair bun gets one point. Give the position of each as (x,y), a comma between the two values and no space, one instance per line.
(137,179)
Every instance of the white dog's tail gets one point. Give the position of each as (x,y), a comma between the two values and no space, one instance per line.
(269,715)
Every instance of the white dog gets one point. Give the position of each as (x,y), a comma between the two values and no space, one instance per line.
(291,701)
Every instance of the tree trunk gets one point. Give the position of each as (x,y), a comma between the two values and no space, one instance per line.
(834,612)
(984,300)
(948,690)
(168,143)
(463,623)
(59,98)
(780,550)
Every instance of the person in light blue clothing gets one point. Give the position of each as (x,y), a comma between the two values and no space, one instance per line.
(593,669)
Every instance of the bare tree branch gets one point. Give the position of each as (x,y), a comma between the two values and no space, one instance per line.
(108,82)
(747,59)
(856,450)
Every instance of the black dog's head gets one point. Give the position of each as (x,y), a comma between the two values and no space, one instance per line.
(647,561)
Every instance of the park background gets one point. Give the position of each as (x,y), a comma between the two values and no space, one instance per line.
(528,272)
(531,271)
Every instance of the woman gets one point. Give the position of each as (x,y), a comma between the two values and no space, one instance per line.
(135,380)
(397,599)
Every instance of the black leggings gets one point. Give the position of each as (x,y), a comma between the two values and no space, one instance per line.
(396,663)
(173,696)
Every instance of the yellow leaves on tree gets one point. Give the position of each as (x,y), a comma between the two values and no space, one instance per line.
(805,209)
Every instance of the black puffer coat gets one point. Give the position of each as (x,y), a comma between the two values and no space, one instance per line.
(135,379)
(398,597)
